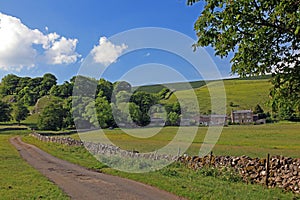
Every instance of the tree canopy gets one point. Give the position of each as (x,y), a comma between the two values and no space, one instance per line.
(20,112)
(5,112)
(52,117)
(263,36)
(94,102)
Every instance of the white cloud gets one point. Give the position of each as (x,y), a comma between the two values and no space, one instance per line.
(62,51)
(106,52)
(21,46)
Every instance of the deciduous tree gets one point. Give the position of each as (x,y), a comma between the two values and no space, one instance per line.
(20,112)
(48,81)
(52,117)
(5,112)
(263,36)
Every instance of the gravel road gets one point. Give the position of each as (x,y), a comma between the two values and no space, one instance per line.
(81,183)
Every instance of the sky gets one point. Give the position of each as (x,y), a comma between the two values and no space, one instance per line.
(100,38)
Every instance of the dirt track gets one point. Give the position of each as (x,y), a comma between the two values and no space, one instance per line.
(81,183)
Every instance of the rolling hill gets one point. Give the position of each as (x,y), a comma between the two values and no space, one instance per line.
(240,94)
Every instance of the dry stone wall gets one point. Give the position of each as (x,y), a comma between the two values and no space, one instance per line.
(275,171)
(61,140)
(104,149)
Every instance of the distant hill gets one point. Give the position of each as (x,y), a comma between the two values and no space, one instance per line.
(193,84)
(173,86)
(240,94)
(262,77)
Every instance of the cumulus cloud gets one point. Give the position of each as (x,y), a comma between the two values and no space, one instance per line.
(106,52)
(62,51)
(21,46)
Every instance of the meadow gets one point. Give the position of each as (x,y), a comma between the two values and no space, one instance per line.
(240,94)
(251,140)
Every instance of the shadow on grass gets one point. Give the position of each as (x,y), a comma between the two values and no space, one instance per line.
(54,133)
(13,129)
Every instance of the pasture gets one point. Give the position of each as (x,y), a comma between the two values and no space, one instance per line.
(240,94)
(251,140)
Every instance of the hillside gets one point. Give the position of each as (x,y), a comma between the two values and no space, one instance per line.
(240,94)
(173,86)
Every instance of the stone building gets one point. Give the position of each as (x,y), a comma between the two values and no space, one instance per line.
(241,116)
(213,120)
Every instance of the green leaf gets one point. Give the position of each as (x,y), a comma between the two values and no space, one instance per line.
(297,30)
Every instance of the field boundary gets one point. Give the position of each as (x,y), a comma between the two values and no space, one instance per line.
(105,149)
(274,171)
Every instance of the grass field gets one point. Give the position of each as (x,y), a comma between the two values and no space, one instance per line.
(174,178)
(18,180)
(171,86)
(244,94)
(250,140)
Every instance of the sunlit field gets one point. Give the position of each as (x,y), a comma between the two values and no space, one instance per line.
(250,140)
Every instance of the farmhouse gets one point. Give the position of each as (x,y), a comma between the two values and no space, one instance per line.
(215,120)
(241,116)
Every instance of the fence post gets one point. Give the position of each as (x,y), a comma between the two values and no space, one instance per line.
(267,169)
(210,158)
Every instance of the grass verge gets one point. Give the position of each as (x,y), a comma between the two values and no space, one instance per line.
(18,180)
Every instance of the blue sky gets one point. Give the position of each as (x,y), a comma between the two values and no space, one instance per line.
(67,31)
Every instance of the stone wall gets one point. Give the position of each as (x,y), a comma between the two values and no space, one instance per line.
(104,149)
(61,140)
(275,171)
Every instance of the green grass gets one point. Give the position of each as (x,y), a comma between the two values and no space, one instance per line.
(171,86)
(31,120)
(193,84)
(177,178)
(244,94)
(259,140)
(250,140)
(18,180)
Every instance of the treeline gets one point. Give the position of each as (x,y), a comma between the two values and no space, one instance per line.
(96,102)
(114,105)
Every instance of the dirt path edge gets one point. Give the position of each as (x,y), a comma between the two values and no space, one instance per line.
(81,183)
